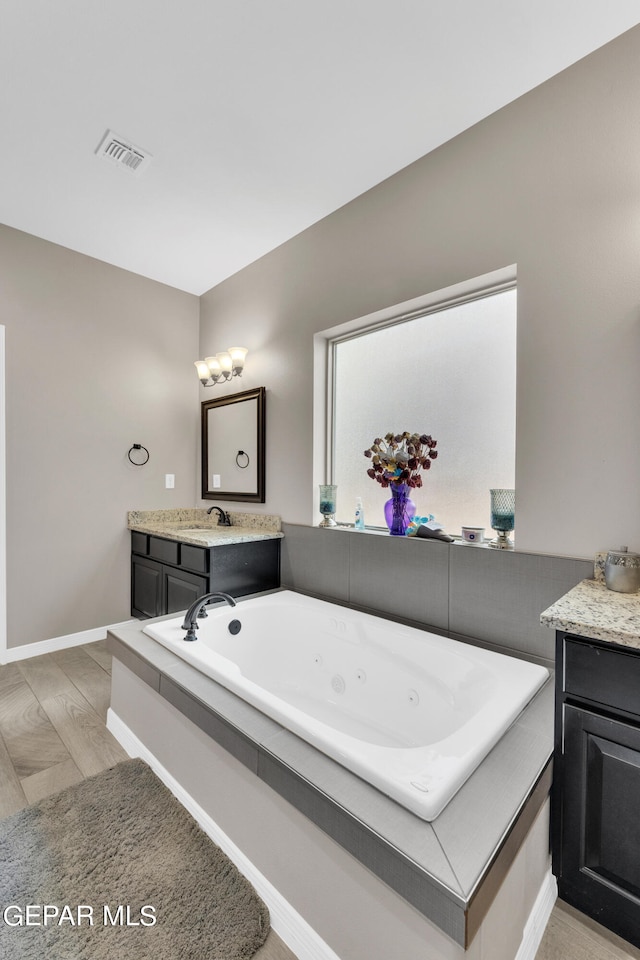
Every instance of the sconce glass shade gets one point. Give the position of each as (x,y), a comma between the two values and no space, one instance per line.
(226,364)
(203,370)
(237,355)
(213,367)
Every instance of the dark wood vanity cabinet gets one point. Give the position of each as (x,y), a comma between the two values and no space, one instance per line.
(167,576)
(596,790)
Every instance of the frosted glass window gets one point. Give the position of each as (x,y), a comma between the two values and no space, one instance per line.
(451,374)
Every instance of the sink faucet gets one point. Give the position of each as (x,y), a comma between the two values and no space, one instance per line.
(197,609)
(224,520)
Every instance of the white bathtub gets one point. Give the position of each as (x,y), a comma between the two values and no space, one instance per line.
(410,712)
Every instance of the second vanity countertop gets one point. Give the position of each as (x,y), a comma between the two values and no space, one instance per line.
(201,529)
(593,611)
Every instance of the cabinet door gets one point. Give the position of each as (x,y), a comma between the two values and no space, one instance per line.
(181,589)
(600,872)
(146,588)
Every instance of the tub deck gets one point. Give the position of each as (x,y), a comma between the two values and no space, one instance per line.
(448,869)
(411,712)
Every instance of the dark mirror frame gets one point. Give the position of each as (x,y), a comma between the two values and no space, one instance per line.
(259,394)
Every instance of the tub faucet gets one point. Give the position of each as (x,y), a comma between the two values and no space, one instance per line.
(197,609)
(224,520)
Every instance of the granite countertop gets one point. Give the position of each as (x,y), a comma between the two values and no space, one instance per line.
(593,611)
(201,529)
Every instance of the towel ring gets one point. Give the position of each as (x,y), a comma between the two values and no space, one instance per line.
(138,463)
(241,453)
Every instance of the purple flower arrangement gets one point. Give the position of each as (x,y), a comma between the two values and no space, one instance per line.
(399,458)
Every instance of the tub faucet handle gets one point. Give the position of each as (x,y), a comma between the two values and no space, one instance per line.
(197,609)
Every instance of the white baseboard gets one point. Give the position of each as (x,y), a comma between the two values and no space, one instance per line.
(538,918)
(58,643)
(287,922)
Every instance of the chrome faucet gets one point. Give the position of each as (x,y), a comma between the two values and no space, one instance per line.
(197,609)
(224,520)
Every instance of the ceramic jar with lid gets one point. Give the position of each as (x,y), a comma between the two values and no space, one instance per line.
(622,571)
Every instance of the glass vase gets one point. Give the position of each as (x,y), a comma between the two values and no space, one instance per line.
(328,504)
(503,508)
(399,510)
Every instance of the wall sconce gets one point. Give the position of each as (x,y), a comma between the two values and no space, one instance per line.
(221,367)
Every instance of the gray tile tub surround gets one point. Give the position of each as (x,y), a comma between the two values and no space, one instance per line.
(493,597)
(401,577)
(397,576)
(497,596)
(314,560)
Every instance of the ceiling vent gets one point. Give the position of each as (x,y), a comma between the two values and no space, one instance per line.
(119,151)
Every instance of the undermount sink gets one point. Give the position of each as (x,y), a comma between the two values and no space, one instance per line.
(201,529)
(220,531)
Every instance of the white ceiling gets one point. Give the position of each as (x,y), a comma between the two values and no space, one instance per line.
(262,116)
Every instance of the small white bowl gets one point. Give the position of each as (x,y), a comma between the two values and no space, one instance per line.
(473,535)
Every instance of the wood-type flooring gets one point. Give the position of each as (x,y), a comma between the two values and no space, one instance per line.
(53,711)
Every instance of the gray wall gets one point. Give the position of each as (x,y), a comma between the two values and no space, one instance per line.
(549,183)
(96,359)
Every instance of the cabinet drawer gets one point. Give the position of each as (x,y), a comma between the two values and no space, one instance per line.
(165,550)
(194,558)
(139,543)
(610,677)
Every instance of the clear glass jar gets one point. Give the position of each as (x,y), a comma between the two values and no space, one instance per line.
(328,504)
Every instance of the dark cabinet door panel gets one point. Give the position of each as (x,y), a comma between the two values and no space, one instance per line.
(181,589)
(601,819)
(146,588)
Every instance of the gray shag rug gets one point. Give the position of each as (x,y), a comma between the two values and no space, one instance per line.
(116,868)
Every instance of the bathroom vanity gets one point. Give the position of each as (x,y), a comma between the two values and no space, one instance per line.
(596,790)
(179,555)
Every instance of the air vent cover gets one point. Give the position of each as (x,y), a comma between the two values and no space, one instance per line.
(118,150)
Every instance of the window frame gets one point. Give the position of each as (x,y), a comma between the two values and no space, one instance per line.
(479,288)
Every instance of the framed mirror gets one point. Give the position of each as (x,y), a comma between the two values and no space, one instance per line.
(233,447)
